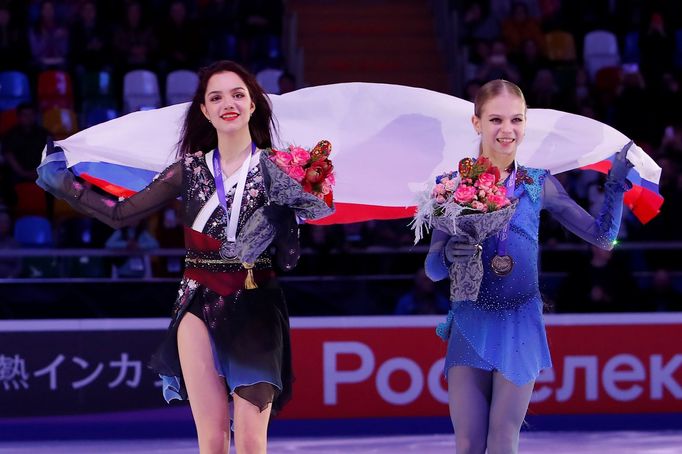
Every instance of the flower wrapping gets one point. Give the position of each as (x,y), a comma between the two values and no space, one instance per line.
(288,200)
(470,203)
(313,169)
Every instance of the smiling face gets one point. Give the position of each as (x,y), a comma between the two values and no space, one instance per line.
(227,103)
(502,125)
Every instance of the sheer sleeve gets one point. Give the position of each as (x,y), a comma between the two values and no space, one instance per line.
(435,266)
(600,231)
(108,209)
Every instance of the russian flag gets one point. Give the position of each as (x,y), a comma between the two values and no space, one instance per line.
(389,142)
(643,199)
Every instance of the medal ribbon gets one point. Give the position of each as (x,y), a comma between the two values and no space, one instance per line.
(504,233)
(233,214)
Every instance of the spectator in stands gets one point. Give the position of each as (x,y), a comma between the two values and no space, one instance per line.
(322,239)
(477,24)
(657,47)
(260,29)
(633,97)
(519,27)
(529,62)
(497,344)
(502,9)
(10,267)
(170,235)
(424,298)
(671,148)
(8,196)
(391,233)
(497,65)
(219,20)
(581,94)
(23,145)
(90,40)
(49,39)
(599,284)
(544,92)
(662,296)
(135,42)
(179,39)
(83,233)
(133,239)
(668,100)
(14,49)
(479,51)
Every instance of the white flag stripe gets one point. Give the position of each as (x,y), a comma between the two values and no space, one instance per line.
(387,140)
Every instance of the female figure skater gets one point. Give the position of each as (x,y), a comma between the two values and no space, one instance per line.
(227,341)
(497,344)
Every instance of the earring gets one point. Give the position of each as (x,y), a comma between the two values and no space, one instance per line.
(209,120)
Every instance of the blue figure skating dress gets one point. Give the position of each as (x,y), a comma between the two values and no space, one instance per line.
(503,330)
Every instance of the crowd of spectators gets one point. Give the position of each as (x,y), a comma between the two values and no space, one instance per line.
(502,39)
(160,35)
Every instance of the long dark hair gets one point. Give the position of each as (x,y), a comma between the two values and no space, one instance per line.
(199,135)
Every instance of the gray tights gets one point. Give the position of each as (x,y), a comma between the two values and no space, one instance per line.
(487,410)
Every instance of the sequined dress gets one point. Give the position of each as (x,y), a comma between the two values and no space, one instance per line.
(258,368)
(503,329)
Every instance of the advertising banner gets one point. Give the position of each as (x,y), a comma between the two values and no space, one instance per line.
(346,367)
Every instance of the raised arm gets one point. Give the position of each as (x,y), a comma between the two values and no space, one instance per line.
(54,177)
(601,231)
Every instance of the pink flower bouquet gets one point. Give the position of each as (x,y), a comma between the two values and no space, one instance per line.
(471,203)
(312,169)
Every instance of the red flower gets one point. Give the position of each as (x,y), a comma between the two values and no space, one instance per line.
(495,171)
(316,175)
(466,165)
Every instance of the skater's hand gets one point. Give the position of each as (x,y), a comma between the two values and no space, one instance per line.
(459,250)
(53,175)
(621,165)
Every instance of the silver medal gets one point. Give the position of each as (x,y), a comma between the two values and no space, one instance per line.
(228,250)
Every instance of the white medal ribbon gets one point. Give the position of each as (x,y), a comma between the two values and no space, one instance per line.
(233,215)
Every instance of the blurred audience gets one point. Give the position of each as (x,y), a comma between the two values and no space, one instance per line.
(90,40)
(14,48)
(134,239)
(23,145)
(599,284)
(662,296)
(424,298)
(10,267)
(49,39)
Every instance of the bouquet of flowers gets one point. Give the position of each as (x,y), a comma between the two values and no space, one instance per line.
(471,203)
(312,169)
(299,185)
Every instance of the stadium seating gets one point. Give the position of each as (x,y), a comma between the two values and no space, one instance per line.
(14,89)
(180,86)
(140,91)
